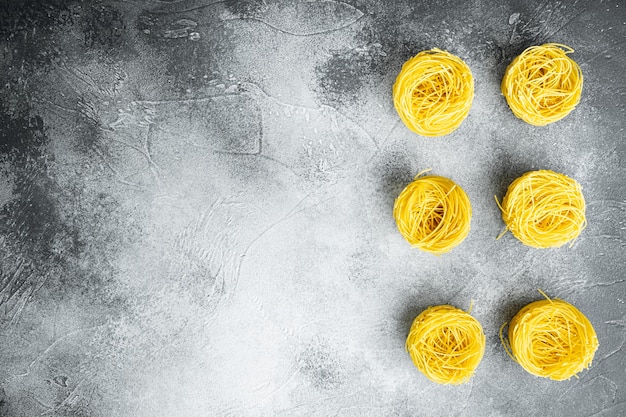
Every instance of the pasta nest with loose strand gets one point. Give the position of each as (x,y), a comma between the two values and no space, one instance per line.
(551,338)
(433,92)
(433,213)
(446,344)
(543,84)
(544,209)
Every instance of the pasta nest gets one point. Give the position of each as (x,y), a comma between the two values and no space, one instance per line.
(433,92)
(433,214)
(543,84)
(446,344)
(544,209)
(551,339)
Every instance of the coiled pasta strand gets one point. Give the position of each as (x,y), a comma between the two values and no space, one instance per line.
(433,93)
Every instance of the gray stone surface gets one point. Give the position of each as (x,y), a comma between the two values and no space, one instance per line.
(196,207)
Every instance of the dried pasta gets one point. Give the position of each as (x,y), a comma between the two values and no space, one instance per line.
(544,209)
(433,214)
(446,344)
(433,92)
(543,84)
(551,338)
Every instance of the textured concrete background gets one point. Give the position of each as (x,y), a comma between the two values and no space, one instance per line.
(196,207)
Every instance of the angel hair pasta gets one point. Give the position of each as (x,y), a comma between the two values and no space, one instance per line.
(551,338)
(544,209)
(433,92)
(446,344)
(543,84)
(433,214)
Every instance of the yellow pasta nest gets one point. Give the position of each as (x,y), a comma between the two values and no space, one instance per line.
(543,84)
(551,339)
(433,92)
(433,214)
(544,209)
(446,344)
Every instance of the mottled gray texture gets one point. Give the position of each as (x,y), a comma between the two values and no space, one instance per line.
(196,207)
